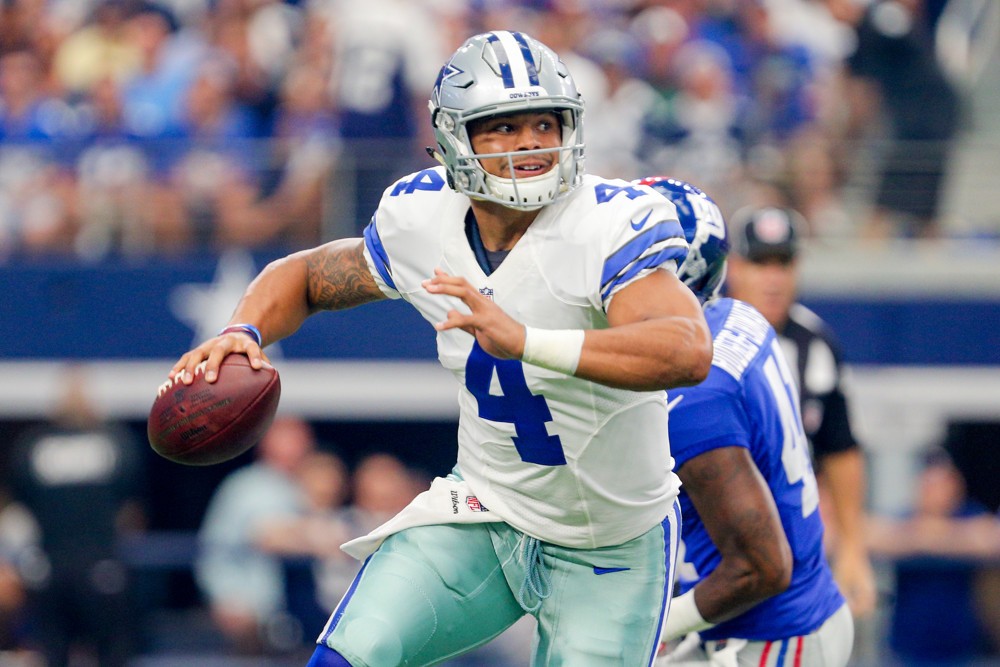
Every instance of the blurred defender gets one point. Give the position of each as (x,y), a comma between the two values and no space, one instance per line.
(557,308)
(755,587)
(763,271)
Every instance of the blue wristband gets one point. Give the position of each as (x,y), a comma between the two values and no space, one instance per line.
(247,329)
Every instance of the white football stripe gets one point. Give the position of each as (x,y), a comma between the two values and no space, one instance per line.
(518,68)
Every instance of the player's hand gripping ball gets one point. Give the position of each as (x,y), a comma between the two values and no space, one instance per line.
(202,424)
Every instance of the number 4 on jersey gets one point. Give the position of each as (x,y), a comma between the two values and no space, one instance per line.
(518,406)
(428,179)
(795,447)
(606,192)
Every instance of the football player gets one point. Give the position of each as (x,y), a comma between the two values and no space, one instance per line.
(558,310)
(764,272)
(755,587)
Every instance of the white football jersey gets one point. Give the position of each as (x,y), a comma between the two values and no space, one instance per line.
(564,460)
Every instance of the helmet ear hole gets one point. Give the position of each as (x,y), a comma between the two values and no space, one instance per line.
(444,121)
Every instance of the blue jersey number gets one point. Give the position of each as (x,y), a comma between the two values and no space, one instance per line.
(518,406)
(606,192)
(428,180)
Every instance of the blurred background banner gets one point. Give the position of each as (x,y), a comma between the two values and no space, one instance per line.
(142,310)
(121,309)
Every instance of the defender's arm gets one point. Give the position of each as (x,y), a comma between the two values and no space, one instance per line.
(739,513)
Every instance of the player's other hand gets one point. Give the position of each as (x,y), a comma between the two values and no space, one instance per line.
(213,351)
(497,332)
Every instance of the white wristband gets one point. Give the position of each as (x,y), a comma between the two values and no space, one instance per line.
(555,349)
(683,618)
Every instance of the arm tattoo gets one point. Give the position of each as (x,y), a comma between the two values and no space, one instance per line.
(338,277)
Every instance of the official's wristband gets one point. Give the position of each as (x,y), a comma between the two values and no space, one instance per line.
(683,618)
(247,329)
(555,349)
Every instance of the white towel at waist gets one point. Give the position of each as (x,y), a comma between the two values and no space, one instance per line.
(448,500)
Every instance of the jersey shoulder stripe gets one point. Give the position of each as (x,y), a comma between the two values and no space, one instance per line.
(378,253)
(662,242)
(650,261)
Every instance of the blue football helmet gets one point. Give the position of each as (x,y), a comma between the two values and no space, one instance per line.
(704,270)
(496,73)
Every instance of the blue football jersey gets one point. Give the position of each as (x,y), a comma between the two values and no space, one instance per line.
(750,400)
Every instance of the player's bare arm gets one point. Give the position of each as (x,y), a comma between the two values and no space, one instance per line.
(739,513)
(658,338)
(333,276)
(338,277)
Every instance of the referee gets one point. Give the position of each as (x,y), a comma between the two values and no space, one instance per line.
(763,271)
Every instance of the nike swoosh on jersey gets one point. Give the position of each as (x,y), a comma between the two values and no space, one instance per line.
(642,223)
(609,570)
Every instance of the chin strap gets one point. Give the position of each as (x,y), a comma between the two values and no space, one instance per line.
(433,152)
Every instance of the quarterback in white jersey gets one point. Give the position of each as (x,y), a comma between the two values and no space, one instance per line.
(557,308)
(563,459)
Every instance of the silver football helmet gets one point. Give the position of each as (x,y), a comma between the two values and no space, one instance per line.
(499,73)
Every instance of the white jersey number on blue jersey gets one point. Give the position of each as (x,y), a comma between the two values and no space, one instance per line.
(795,446)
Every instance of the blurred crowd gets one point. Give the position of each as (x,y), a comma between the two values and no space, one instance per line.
(80,563)
(142,126)
(82,558)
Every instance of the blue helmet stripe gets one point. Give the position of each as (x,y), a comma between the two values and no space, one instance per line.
(529,62)
(377,251)
(502,61)
(635,248)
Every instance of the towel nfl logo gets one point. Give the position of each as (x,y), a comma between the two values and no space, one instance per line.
(474,504)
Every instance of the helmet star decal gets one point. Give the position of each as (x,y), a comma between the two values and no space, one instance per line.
(447,72)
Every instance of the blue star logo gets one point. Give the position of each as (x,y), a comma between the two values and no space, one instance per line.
(447,72)
(206,308)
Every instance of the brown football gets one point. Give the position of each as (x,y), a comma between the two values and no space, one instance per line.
(202,424)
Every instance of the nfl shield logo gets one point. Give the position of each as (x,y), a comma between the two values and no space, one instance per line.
(474,504)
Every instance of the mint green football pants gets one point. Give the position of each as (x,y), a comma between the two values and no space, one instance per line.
(431,593)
